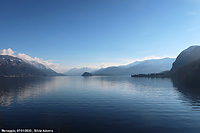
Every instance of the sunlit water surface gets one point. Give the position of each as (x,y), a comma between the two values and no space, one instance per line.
(98,105)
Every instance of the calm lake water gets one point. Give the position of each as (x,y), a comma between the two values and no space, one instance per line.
(99,105)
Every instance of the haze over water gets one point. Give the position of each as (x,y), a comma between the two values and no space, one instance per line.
(99,104)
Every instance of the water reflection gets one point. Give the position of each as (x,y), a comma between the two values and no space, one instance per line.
(18,89)
(189,93)
(98,104)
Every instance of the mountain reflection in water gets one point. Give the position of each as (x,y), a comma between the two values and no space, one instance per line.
(99,104)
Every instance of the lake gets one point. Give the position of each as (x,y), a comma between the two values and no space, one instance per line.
(76,104)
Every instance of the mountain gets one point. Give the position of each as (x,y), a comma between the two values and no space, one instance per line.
(47,71)
(188,74)
(186,57)
(186,68)
(78,71)
(15,67)
(139,67)
(36,64)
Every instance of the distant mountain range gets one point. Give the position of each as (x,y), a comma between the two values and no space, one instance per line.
(15,67)
(185,70)
(139,67)
(78,71)
(147,66)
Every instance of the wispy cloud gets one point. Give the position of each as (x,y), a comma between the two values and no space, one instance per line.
(8,51)
(47,63)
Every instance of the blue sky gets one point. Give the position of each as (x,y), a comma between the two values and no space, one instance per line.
(77,33)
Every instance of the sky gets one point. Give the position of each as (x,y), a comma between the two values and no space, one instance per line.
(97,33)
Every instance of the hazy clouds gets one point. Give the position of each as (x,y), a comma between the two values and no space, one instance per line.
(47,63)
